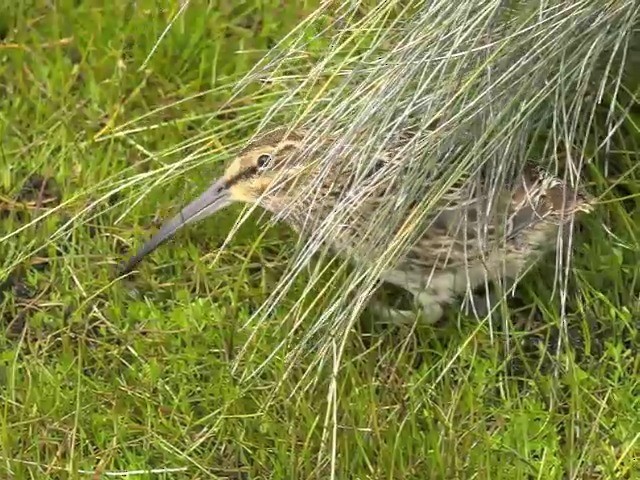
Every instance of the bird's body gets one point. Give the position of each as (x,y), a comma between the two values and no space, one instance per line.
(465,242)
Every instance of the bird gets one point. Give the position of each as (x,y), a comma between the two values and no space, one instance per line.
(459,249)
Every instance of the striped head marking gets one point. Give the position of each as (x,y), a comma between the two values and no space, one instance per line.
(260,163)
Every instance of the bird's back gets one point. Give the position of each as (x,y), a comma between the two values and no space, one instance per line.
(464,247)
(468,235)
(462,242)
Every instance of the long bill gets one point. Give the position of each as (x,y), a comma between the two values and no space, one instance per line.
(215,198)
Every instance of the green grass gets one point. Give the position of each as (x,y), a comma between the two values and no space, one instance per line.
(135,375)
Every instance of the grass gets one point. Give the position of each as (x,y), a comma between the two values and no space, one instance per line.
(134,375)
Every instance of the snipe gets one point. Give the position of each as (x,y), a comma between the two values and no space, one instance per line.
(460,248)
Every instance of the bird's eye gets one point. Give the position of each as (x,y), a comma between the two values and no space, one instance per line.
(263,161)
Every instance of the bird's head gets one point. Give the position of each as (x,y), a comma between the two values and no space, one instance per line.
(251,177)
(252,174)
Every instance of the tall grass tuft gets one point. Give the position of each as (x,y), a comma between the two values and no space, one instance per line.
(459,91)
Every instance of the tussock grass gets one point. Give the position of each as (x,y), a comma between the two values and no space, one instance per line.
(108,126)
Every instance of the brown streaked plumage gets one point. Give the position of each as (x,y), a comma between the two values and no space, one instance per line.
(451,255)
